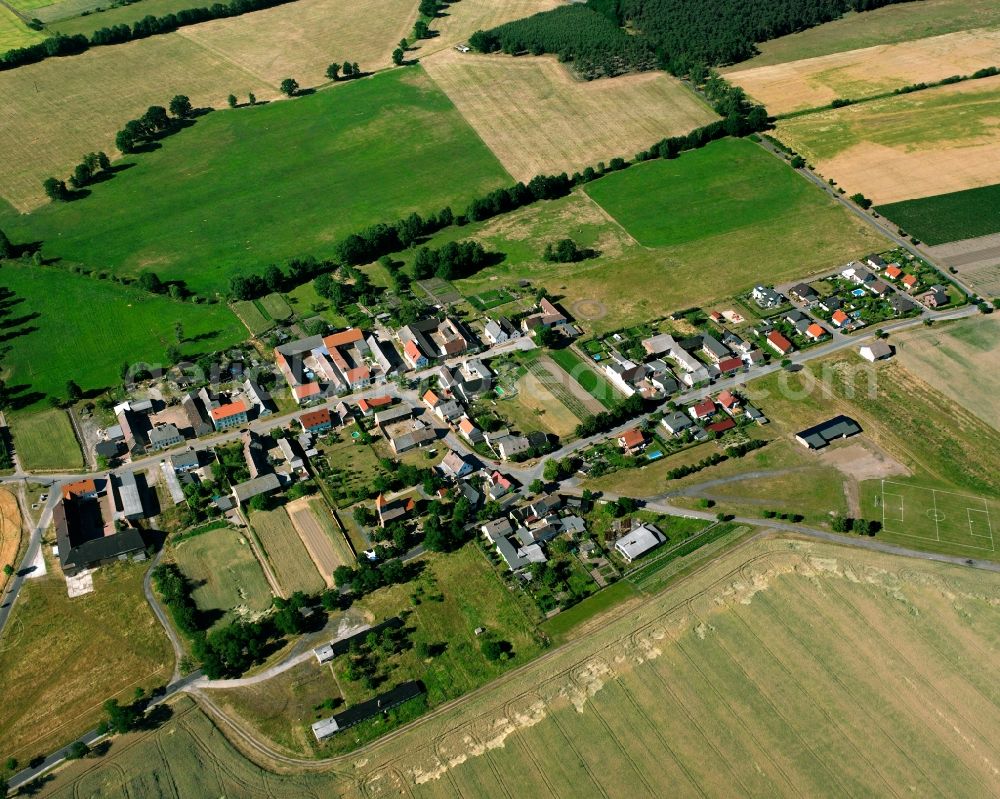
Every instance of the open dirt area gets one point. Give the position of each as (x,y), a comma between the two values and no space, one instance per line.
(298,40)
(52,112)
(538,119)
(931,142)
(10,533)
(814,82)
(959,360)
(316,540)
(977,260)
(538,408)
(780,669)
(863,460)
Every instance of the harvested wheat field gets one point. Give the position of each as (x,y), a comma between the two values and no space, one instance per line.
(298,40)
(538,119)
(899,148)
(785,668)
(10,533)
(53,112)
(959,360)
(814,82)
(285,552)
(317,536)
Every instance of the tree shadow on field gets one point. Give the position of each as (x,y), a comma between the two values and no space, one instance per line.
(108,174)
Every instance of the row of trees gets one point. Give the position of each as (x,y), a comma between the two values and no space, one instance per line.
(455,260)
(149,25)
(606,420)
(91,166)
(565,251)
(153,124)
(350,69)
(274,278)
(383,238)
(845,524)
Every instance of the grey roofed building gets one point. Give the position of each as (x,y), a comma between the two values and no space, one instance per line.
(509,553)
(755,414)
(676,422)
(108,449)
(470,493)
(573,524)
(765,297)
(258,396)
(802,325)
(126,489)
(114,433)
(324,728)
(803,291)
(820,435)
(875,351)
(497,528)
(714,347)
(795,315)
(408,434)
(164,436)
(638,542)
(265,484)
(508,446)
(191,405)
(539,533)
(875,261)
(393,414)
(378,352)
(185,461)
(545,505)
(901,304)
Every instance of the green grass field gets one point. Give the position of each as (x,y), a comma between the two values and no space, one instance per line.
(277,307)
(252,316)
(225,572)
(14,33)
(728,186)
(322,166)
(948,217)
(66,326)
(595,385)
(44,440)
(123,15)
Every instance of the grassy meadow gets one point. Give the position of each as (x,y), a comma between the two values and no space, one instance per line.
(765,673)
(227,576)
(44,440)
(14,33)
(62,326)
(323,166)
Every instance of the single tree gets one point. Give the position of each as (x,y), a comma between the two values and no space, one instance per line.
(231,100)
(119,718)
(150,281)
(179,332)
(125,142)
(73,391)
(420,30)
(356,70)
(180,106)
(348,69)
(397,56)
(8,570)
(77,750)
(55,189)
(289,87)
(333,71)
(403,44)
(103,162)
(252,98)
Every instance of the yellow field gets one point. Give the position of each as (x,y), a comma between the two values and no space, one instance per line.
(899,148)
(10,533)
(956,360)
(814,82)
(60,658)
(318,537)
(538,119)
(785,668)
(298,40)
(285,552)
(53,112)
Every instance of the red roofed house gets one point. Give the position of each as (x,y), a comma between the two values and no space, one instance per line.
(721,427)
(231,415)
(703,409)
(815,332)
(368,405)
(472,433)
(910,281)
(632,440)
(892,271)
(729,401)
(431,400)
(779,343)
(727,365)
(307,393)
(81,489)
(715,316)
(839,318)
(316,421)
(498,485)
(413,355)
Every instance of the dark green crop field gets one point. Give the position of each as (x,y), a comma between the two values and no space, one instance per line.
(244,188)
(948,217)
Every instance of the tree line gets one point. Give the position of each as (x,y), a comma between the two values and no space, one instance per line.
(609,37)
(456,259)
(606,420)
(62,45)
(297,271)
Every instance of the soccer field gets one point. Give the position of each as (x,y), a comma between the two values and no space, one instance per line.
(935,515)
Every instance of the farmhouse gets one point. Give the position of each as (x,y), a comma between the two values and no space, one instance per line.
(876,351)
(431,338)
(729,365)
(373,707)
(820,435)
(86,533)
(500,330)
(408,434)
(258,397)
(391,414)
(164,437)
(325,365)
(391,510)
(195,414)
(509,446)
(367,405)
(318,421)
(265,484)
(546,316)
(637,543)
(230,415)
(185,461)
(692,371)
